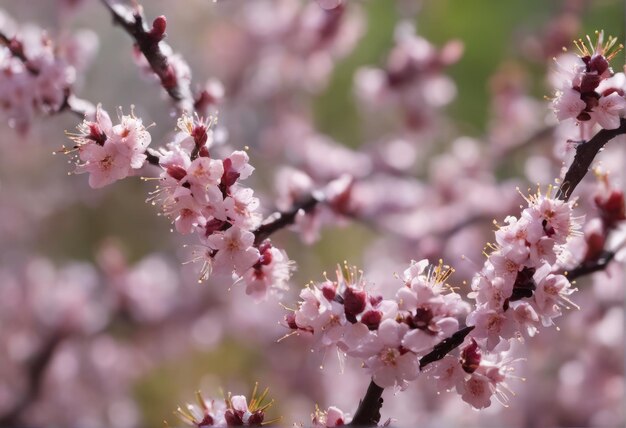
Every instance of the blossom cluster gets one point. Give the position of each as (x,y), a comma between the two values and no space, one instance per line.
(204,196)
(37,72)
(590,92)
(232,411)
(412,79)
(284,46)
(517,290)
(519,287)
(388,335)
(109,152)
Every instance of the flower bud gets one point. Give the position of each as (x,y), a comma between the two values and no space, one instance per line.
(372,319)
(354,301)
(158,28)
(470,357)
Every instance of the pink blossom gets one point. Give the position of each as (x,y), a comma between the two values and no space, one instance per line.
(389,366)
(609,110)
(105,164)
(447,372)
(110,153)
(240,208)
(477,391)
(490,290)
(271,273)
(551,293)
(234,249)
(568,104)
(491,325)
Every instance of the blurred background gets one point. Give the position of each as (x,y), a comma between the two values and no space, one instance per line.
(103,324)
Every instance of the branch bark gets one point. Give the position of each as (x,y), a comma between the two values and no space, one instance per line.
(280,220)
(586,152)
(368,412)
(36,371)
(592,266)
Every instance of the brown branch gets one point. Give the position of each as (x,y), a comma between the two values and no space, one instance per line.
(444,347)
(35,375)
(280,220)
(586,152)
(147,40)
(592,266)
(368,412)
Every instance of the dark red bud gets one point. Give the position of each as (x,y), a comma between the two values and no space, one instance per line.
(422,318)
(598,63)
(589,83)
(470,357)
(372,319)
(354,301)
(176,172)
(266,257)
(233,418)
(591,100)
(265,246)
(96,134)
(375,300)
(595,245)
(524,285)
(612,209)
(290,320)
(229,177)
(204,152)
(207,421)
(168,80)
(213,226)
(256,418)
(204,100)
(199,135)
(329,292)
(158,28)
(609,91)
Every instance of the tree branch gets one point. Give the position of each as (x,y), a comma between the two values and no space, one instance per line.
(368,412)
(586,152)
(591,266)
(35,375)
(280,220)
(444,347)
(147,40)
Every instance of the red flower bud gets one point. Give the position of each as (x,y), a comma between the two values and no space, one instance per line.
(354,301)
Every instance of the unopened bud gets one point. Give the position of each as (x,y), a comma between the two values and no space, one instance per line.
(158,28)
(176,172)
(470,357)
(354,301)
(372,319)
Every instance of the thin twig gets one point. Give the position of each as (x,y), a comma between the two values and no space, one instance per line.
(280,220)
(444,347)
(585,268)
(586,152)
(133,22)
